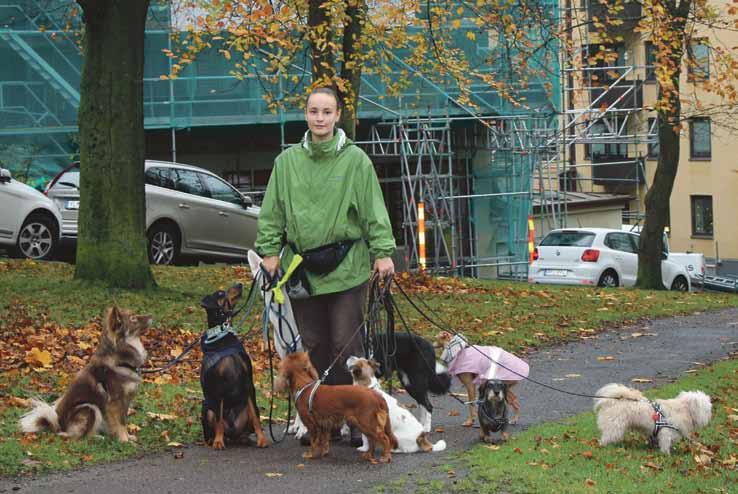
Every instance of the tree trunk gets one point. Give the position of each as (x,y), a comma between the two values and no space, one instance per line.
(669,115)
(112,219)
(321,38)
(351,69)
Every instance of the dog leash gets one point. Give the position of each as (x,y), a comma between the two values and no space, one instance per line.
(534,381)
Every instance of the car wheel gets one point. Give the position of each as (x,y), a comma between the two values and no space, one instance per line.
(680,284)
(163,244)
(609,279)
(37,238)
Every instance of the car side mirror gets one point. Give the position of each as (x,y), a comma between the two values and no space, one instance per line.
(246,201)
(5,175)
(664,255)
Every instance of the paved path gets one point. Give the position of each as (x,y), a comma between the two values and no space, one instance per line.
(667,348)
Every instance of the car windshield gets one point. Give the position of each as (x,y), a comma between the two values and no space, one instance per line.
(71,177)
(569,238)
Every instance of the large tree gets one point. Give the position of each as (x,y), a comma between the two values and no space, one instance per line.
(675,27)
(112,219)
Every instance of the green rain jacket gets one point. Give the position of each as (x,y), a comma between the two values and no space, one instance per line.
(320,193)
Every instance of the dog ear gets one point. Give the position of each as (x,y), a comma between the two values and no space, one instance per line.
(376,366)
(114,320)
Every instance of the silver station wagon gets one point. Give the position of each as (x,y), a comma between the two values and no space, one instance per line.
(190,212)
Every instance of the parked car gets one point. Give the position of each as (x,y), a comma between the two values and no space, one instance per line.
(29,221)
(596,256)
(693,262)
(189,212)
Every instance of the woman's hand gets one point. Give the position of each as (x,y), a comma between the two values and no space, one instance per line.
(384,267)
(270,264)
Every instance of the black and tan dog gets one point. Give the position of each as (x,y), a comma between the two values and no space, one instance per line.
(226,375)
(492,409)
(98,398)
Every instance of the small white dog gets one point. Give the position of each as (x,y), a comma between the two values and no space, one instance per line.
(621,408)
(410,435)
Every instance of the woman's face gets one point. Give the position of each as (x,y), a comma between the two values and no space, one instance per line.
(321,114)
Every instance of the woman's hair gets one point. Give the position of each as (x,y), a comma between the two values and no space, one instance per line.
(324,90)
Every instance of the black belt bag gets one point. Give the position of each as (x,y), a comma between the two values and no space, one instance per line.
(326,258)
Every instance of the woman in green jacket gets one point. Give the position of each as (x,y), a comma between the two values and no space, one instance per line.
(323,191)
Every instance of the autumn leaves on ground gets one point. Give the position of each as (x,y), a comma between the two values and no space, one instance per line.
(49,326)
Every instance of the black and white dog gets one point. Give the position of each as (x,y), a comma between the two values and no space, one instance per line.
(492,410)
(415,363)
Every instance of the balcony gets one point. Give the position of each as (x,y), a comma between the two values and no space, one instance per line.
(601,17)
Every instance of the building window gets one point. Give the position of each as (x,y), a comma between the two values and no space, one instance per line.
(698,61)
(700,147)
(653,132)
(702,216)
(650,61)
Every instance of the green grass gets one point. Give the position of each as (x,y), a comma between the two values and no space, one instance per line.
(566,457)
(516,316)
(25,453)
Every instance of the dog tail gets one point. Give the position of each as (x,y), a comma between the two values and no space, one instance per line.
(439,446)
(41,417)
(613,391)
(440,383)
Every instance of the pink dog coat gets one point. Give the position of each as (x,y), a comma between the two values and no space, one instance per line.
(485,364)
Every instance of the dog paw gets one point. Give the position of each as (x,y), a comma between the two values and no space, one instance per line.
(132,438)
(385,459)
(262,442)
(218,444)
(468,423)
(363,449)
(513,421)
(308,455)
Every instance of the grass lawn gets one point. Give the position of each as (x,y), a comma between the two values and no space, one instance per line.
(566,457)
(49,325)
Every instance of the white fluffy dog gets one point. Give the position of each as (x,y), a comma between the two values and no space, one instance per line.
(410,435)
(621,408)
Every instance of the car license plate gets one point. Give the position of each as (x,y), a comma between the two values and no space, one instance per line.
(71,205)
(555,272)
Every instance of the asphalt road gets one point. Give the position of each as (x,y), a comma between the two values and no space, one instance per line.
(666,349)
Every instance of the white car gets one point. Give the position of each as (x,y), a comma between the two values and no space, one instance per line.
(29,221)
(596,256)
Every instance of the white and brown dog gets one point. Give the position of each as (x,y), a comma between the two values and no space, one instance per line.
(410,435)
(475,364)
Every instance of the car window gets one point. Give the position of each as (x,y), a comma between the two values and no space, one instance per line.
(569,238)
(635,240)
(188,182)
(71,176)
(220,190)
(621,242)
(160,177)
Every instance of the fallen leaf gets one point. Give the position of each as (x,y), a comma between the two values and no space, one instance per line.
(38,358)
(273,474)
(451,474)
(174,444)
(493,447)
(590,483)
(453,413)
(300,465)
(165,435)
(161,416)
(587,454)
(734,418)
(641,380)
(15,401)
(608,357)
(133,428)
(518,451)
(440,429)
(652,466)
(573,375)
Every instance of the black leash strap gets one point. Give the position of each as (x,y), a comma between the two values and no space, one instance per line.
(453,331)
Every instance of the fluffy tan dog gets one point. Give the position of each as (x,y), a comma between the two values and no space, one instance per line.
(623,408)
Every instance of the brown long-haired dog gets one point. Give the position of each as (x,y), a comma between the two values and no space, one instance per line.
(98,398)
(334,405)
